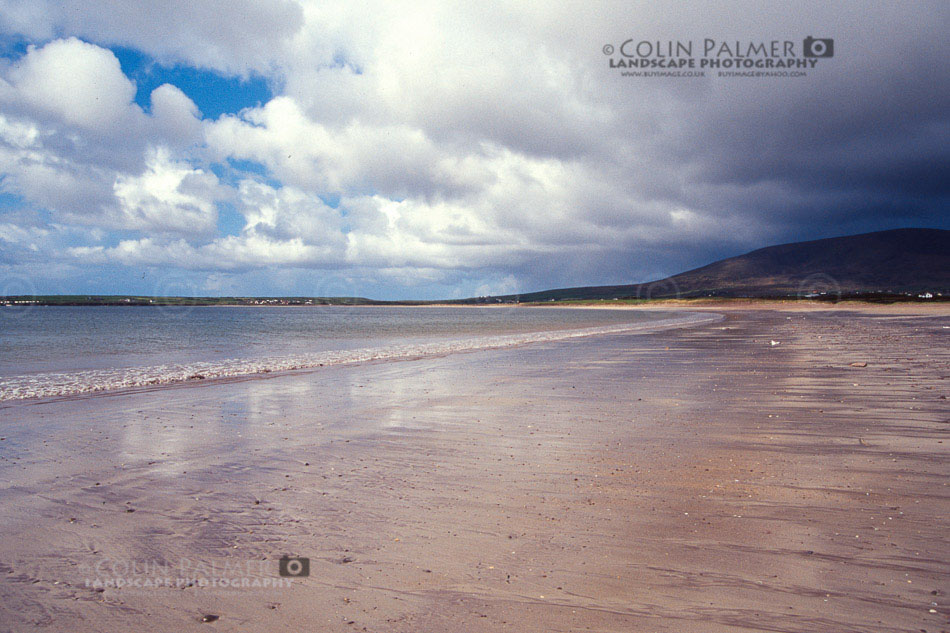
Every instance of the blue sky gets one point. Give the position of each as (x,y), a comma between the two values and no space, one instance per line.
(214,94)
(283,147)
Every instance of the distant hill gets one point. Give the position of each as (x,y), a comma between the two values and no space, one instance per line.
(883,265)
(895,262)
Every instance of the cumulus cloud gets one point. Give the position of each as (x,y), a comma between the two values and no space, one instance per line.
(176,117)
(288,213)
(79,83)
(73,142)
(239,36)
(230,253)
(168,196)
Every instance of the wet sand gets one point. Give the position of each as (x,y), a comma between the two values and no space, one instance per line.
(699,479)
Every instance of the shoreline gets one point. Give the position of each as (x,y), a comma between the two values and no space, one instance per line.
(745,303)
(209,373)
(909,307)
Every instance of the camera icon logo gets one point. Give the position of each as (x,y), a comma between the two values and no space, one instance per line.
(817,47)
(294,566)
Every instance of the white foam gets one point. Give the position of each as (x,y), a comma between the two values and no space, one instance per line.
(45,385)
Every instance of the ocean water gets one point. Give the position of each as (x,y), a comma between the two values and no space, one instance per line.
(59,351)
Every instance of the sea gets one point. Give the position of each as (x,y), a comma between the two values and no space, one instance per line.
(61,351)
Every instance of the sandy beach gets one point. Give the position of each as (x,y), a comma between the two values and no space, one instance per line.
(696,479)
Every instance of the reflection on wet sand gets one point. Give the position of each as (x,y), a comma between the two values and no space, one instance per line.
(683,480)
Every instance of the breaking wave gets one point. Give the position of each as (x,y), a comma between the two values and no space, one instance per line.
(57,384)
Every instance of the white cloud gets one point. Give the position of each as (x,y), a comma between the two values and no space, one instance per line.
(238,36)
(79,83)
(168,197)
(243,252)
(18,134)
(72,141)
(306,153)
(288,213)
(175,117)
(16,234)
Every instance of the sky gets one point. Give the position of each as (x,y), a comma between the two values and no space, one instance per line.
(417,150)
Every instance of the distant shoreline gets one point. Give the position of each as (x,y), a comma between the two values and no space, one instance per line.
(730,303)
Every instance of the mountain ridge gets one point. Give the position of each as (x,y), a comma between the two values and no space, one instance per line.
(894,262)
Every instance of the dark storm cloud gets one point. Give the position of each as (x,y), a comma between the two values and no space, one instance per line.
(863,141)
